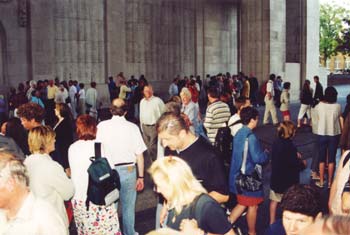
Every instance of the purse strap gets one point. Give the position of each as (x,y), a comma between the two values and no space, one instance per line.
(97,150)
(245,153)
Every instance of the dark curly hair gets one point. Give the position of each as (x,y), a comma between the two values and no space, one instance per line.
(31,111)
(247,114)
(303,199)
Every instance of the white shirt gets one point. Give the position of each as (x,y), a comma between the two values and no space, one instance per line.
(91,97)
(35,217)
(151,110)
(234,128)
(121,140)
(49,182)
(81,94)
(79,154)
(269,88)
(72,92)
(327,118)
(61,96)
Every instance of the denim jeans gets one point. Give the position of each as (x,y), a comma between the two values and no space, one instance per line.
(127,197)
(328,144)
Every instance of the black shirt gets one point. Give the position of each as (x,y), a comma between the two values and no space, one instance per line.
(206,211)
(206,166)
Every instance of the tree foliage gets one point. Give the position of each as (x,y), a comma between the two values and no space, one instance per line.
(331,17)
(344,39)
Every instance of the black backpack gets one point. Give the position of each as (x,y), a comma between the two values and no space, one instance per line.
(223,142)
(104,182)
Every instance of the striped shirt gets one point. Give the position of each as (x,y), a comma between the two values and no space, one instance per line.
(217,114)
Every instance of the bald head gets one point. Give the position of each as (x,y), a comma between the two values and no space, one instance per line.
(118,107)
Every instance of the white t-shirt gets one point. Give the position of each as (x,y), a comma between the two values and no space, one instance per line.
(121,139)
(327,118)
(35,217)
(79,154)
(235,128)
(151,110)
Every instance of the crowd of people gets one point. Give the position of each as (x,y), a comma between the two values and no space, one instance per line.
(50,131)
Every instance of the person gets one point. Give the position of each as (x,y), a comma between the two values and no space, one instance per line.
(285,101)
(255,155)
(47,178)
(72,97)
(64,134)
(32,87)
(269,101)
(16,131)
(286,164)
(190,109)
(112,88)
(318,95)
(340,186)
(344,141)
(186,197)
(301,206)
(216,115)
(31,115)
(328,116)
(81,106)
(151,108)
(329,225)
(19,99)
(8,144)
(36,98)
(91,98)
(235,122)
(173,89)
(246,87)
(305,103)
(61,94)
(79,153)
(21,212)
(124,89)
(197,152)
(124,148)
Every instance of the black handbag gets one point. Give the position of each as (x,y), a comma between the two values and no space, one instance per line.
(248,182)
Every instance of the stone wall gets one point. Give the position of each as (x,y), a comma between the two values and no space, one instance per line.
(163,38)
(14,67)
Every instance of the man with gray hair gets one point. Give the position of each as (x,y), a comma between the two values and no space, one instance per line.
(20,211)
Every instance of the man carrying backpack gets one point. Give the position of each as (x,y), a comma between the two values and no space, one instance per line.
(124,147)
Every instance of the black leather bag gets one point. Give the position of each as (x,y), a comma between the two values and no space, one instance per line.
(248,182)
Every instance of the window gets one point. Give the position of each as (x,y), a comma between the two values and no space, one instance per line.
(328,63)
(347,63)
(337,64)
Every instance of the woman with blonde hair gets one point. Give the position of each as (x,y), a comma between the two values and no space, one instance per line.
(286,165)
(190,109)
(47,178)
(185,197)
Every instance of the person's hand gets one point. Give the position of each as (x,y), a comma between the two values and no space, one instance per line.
(139,184)
(68,172)
(190,227)
(299,155)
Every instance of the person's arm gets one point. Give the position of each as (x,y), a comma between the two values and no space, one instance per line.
(140,168)
(219,197)
(258,155)
(60,182)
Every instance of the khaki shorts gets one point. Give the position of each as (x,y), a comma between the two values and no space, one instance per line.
(277,197)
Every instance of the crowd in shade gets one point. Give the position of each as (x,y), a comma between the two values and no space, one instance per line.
(198,147)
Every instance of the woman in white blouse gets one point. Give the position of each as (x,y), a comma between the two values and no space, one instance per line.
(47,178)
(98,219)
(327,114)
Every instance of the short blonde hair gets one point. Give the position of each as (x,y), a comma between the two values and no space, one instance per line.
(178,175)
(39,138)
(186,92)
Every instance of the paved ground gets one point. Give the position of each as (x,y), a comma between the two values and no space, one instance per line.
(304,139)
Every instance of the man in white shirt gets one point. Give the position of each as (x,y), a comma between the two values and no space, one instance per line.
(151,108)
(91,98)
(73,102)
(21,212)
(269,102)
(124,146)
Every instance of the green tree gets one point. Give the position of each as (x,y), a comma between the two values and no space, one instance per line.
(331,17)
(344,39)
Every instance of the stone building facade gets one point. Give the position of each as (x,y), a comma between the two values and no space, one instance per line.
(89,40)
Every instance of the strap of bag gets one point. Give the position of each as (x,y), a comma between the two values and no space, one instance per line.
(245,153)
(97,150)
